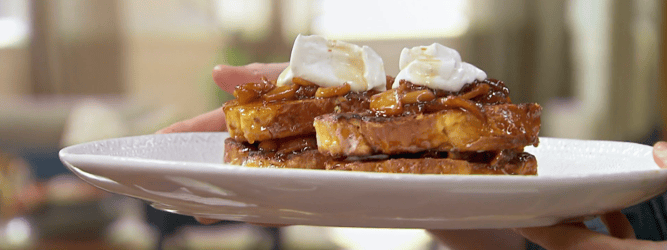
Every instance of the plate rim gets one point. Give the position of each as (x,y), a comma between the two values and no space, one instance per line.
(547,185)
(66,155)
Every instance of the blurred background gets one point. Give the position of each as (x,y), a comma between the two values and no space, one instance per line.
(73,71)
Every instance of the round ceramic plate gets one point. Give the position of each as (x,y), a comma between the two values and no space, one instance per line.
(183,173)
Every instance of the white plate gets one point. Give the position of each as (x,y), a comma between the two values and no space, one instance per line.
(183,173)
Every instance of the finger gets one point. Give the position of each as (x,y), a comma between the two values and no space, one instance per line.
(206,221)
(212,121)
(618,225)
(660,154)
(569,236)
(269,225)
(228,77)
(269,70)
(479,239)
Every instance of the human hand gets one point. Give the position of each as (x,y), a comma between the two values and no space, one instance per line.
(227,78)
(562,236)
(577,236)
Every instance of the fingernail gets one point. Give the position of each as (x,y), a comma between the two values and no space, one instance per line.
(163,131)
(660,150)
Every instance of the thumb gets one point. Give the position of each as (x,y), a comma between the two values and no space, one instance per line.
(228,77)
(568,236)
(660,154)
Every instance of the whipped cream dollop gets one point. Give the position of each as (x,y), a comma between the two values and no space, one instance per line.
(437,67)
(330,63)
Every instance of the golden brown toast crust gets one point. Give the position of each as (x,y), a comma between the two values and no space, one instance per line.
(240,153)
(262,121)
(440,166)
(504,126)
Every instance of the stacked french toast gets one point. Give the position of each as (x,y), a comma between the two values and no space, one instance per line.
(334,108)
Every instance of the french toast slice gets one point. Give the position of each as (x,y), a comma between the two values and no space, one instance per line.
(526,164)
(496,127)
(517,163)
(250,155)
(262,111)
(261,121)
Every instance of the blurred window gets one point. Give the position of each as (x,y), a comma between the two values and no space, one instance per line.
(250,17)
(14,27)
(342,19)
